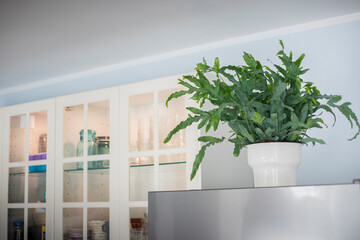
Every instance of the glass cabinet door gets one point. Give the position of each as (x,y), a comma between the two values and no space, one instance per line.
(85,164)
(153,165)
(27,164)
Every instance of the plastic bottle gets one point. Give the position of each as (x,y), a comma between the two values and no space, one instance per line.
(18,230)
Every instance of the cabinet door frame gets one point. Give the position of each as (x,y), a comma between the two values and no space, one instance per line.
(27,108)
(191,149)
(110,94)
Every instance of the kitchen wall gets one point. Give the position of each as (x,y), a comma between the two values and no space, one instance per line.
(332,56)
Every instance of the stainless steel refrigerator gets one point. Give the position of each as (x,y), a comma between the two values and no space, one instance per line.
(326,212)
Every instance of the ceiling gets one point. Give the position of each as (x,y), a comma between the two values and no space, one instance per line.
(42,39)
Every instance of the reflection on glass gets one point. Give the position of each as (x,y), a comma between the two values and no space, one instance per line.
(73,223)
(17,138)
(138,223)
(73,124)
(37,183)
(99,122)
(98,223)
(38,136)
(172,172)
(169,117)
(98,181)
(141,161)
(141,122)
(15,222)
(141,179)
(36,223)
(73,182)
(16,185)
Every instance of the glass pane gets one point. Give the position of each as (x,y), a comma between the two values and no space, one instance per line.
(138,223)
(17,138)
(38,136)
(15,223)
(172,158)
(16,185)
(98,181)
(169,117)
(141,178)
(37,183)
(98,223)
(37,223)
(73,124)
(73,182)
(73,223)
(172,172)
(99,127)
(141,122)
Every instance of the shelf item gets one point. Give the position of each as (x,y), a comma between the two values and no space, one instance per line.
(37,142)
(41,156)
(15,218)
(37,168)
(141,129)
(91,143)
(138,223)
(72,223)
(169,117)
(98,223)
(73,123)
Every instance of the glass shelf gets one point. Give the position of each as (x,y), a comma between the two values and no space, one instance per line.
(161,164)
(22,173)
(90,169)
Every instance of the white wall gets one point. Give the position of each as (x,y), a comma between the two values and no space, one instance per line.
(332,56)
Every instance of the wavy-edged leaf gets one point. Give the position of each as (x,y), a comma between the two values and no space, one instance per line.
(200,156)
(197,111)
(182,125)
(312,140)
(260,133)
(176,95)
(210,139)
(299,60)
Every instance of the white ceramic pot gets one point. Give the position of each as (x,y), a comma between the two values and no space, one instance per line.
(274,163)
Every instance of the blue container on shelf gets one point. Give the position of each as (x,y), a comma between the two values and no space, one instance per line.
(37,168)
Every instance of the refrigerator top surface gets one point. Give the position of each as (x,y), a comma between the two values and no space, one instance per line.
(300,212)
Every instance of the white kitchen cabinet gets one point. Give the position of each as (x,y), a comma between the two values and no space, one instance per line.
(27,174)
(152,165)
(104,153)
(87,161)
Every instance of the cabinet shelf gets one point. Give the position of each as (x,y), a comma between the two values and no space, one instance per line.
(90,169)
(22,173)
(151,165)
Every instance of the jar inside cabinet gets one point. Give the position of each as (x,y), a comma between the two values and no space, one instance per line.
(141,122)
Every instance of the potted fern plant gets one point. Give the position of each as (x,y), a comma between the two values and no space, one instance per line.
(268,109)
